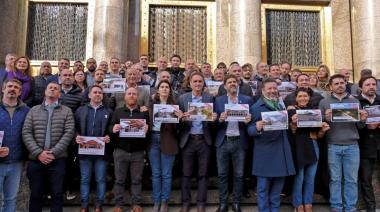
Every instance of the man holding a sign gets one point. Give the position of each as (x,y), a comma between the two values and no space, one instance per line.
(12,116)
(342,138)
(195,141)
(129,151)
(231,141)
(272,156)
(369,139)
(92,122)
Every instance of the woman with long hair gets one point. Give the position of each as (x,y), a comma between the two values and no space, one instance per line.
(23,73)
(80,79)
(305,152)
(323,75)
(162,149)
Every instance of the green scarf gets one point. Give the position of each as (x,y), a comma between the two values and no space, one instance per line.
(273,104)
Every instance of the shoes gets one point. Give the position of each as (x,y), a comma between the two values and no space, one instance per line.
(299,209)
(137,208)
(99,209)
(236,207)
(156,208)
(117,209)
(164,207)
(201,208)
(70,196)
(185,208)
(308,208)
(222,208)
(83,210)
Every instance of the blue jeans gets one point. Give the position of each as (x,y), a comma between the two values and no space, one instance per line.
(87,164)
(268,193)
(230,151)
(303,187)
(343,160)
(10,175)
(162,166)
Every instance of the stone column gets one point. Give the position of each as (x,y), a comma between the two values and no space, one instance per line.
(245,31)
(366,36)
(110,33)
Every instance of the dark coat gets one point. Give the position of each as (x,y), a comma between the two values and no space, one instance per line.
(369,141)
(72,99)
(315,98)
(13,132)
(221,127)
(168,134)
(272,155)
(244,89)
(302,145)
(81,122)
(185,126)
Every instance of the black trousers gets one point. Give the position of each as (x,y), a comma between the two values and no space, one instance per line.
(366,169)
(195,151)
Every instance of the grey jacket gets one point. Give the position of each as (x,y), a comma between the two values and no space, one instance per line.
(62,130)
(341,133)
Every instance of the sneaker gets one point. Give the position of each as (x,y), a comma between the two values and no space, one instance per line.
(70,196)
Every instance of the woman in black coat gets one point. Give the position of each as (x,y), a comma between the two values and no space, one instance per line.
(305,152)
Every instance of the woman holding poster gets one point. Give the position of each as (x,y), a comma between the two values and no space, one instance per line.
(163,146)
(306,127)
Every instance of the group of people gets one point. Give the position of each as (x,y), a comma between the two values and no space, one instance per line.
(50,114)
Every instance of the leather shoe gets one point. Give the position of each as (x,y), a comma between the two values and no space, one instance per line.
(201,208)
(185,208)
(222,208)
(236,207)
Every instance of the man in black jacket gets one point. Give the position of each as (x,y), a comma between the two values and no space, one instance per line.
(71,94)
(129,152)
(369,142)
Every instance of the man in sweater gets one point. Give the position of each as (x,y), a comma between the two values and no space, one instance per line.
(12,116)
(129,152)
(343,149)
(47,132)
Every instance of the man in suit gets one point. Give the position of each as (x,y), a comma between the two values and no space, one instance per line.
(231,144)
(195,141)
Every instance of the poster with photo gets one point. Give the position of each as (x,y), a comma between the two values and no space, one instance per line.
(309,118)
(275,120)
(373,114)
(253,85)
(114,85)
(200,111)
(213,86)
(1,138)
(345,112)
(91,145)
(286,88)
(129,128)
(236,112)
(165,113)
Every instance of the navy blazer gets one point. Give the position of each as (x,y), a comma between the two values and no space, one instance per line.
(272,156)
(185,126)
(222,126)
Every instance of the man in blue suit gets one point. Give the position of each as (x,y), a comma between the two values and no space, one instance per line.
(231,144)
(195,142)
(272,156)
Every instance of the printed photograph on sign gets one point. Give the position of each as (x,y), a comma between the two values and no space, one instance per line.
(213,86)
(345,112)
(275,120)
(373,114)
(309,118)
(165,113)
(91,145)
(1,137)
(286,88)
(132,128)
(253,85)
(236,112)
(114,85)
(200,111)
